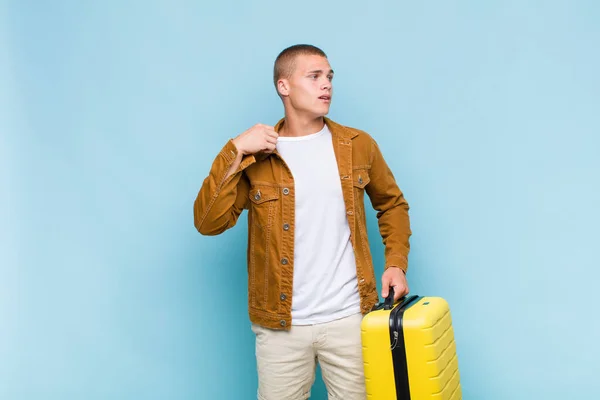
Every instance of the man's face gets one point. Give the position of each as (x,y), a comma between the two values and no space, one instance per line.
(310,89)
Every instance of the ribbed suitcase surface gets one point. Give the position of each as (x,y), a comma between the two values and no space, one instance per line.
(409,351)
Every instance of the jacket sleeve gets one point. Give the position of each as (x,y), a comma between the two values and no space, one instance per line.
(221,200)
(393,219)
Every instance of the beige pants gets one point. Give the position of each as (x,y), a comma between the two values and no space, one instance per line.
(286,360)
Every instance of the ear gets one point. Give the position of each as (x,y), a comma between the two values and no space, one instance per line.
(283,87)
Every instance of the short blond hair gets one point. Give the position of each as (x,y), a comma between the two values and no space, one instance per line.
(285,61)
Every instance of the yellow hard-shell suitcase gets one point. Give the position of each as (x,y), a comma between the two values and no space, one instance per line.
(409,350)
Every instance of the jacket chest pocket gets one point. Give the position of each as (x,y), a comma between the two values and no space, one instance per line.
(360,179)
(263,205)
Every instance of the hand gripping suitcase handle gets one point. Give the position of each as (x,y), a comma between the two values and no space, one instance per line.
(389,300)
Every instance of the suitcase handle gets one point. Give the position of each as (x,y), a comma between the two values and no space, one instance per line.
(389,300)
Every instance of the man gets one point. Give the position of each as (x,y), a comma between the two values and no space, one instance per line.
(310,272)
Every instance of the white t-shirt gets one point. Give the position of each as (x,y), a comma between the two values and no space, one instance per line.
(325,284)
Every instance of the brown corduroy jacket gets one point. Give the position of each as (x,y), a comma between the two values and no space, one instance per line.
(264,186)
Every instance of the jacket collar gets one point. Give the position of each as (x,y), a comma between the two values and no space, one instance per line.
(337,132)
(336,129)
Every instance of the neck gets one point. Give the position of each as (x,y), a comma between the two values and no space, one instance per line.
(298,125)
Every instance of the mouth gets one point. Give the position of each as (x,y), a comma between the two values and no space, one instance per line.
(325,98)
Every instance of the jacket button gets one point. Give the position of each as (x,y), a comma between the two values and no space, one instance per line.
(286,191)
(257,196)
(286,227)
(283,296)
(284,261)
(360,181)
(282,322)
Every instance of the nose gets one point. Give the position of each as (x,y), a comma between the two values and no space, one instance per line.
(326,85)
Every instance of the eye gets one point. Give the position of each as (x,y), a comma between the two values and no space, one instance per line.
(330,77)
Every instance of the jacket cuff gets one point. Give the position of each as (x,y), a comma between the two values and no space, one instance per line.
(399,261)
(229,152)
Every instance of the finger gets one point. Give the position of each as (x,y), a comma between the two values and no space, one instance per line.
(271,133)
(398,292)
(385,286)
(401,291)
(270,147)
(271,140)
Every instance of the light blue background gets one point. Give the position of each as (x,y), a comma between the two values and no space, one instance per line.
(111,114)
